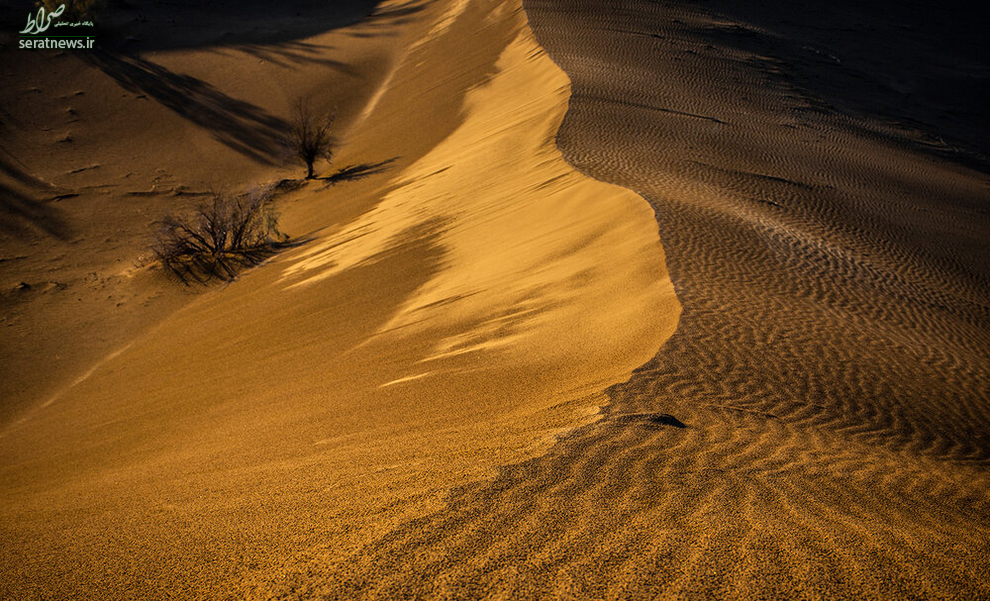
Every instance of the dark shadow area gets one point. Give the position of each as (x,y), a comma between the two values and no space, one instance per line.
(649,419)
(22,177)
(237,124)
(353,172)
(23,214)
(391,16)
(144,25)
(270,30)
(922,65)
(14,13)
(204,274)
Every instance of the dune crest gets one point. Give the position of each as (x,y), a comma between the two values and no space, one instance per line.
(449,315)
(525,239)
(829,360)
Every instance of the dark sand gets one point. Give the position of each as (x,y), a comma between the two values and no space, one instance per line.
(816,175)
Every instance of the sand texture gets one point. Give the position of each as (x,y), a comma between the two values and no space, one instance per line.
(830,362)
(627,300)
(457,308)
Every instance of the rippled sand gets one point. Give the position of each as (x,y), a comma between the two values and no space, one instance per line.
(332,425)
(458,307)
(830,363)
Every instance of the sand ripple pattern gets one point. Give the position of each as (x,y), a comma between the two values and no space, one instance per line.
(831,363)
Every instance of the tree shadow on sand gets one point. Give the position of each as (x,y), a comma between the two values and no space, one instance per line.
(355,172)
(239,125)
(22,213)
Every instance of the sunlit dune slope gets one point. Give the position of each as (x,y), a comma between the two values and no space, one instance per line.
(812,170)
(448,315)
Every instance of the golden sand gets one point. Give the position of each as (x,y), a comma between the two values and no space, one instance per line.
(471,378)
(452,314)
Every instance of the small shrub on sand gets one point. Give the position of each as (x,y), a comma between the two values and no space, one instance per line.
(224,234)
(310,137)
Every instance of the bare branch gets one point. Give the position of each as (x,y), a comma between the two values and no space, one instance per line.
(224,233)
(310,137)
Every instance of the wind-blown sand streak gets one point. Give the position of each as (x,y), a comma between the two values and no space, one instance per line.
(830,362)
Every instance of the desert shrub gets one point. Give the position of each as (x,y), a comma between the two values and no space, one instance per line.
(309,138)
(222,235)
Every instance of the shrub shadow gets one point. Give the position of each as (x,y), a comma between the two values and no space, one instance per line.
(354,172)
(239,125)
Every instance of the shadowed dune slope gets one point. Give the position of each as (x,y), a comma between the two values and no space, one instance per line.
(97,145)
(459,307)
(830,362)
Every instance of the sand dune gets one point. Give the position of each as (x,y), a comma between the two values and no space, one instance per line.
(830,361)
(406,405)
(98,145)
(454,311)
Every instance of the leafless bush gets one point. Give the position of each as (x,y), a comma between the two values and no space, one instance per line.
(224,233)
(310,137)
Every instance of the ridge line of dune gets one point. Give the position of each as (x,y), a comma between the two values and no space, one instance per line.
(826,361)
(448,317)
(337,579)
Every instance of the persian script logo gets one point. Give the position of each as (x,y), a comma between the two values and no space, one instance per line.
(41,22)
(31,35)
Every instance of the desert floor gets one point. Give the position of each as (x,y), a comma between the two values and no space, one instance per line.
(637,300)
